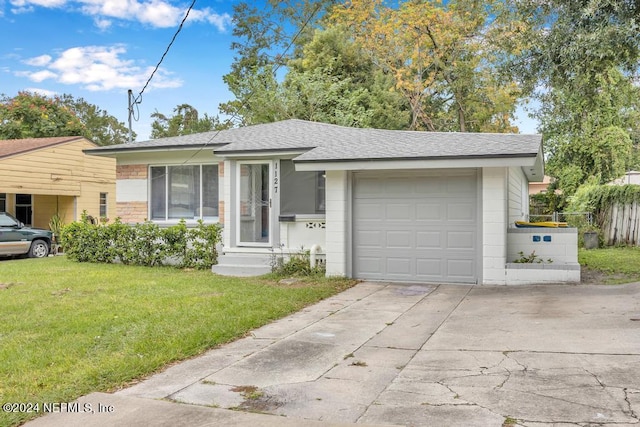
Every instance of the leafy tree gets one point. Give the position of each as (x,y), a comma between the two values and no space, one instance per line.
(267,37)
(30,115)
(99,126)
(591,133)
(579,59)
(185,121)
(334,81)
(441,58)
(563,39)
(331,81)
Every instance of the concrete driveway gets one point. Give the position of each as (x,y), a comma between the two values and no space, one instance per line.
(414,355)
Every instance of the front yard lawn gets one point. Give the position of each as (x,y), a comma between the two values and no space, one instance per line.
(68,329)
(611,265)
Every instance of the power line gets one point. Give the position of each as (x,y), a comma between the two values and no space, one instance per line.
(166,50)
(138,99)
(274,70)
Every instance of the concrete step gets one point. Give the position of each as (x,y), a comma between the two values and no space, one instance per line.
(241,270)
(243,264)
(239,258)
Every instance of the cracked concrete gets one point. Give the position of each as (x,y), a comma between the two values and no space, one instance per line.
(418,355)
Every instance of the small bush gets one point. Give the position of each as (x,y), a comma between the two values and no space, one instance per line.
(142,244)
(530,259)
(298,264)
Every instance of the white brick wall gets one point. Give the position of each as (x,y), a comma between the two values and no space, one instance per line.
(494,225)
(562,249)
(524,274)
(336,222)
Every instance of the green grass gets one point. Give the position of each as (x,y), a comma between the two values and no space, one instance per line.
(618,264)
(68,329)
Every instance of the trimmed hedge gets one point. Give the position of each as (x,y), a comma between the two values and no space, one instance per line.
(142,244)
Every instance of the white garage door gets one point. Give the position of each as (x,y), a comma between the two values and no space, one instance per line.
(420,226)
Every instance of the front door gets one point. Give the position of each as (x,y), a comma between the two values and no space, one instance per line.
(254,203)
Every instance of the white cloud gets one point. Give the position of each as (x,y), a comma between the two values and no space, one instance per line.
(103,24)
(43,3)
(160,14)
(43,92)
(97,68)
(221,21)
(38,61)
(19,10)
(42,75)
(156,13)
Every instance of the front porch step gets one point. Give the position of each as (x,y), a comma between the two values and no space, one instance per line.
(242,264)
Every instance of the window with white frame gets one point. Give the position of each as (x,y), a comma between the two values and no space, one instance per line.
(184,192)
(103,205)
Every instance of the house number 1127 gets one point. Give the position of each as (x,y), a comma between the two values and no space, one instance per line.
(275,177)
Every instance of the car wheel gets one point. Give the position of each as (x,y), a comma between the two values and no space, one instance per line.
(39,249)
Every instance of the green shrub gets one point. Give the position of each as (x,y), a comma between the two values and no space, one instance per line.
(143,244)
(298,264)
(201,251)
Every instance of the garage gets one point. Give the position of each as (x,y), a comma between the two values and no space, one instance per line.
(416,226)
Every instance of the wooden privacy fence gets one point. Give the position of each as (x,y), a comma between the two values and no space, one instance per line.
(620,224)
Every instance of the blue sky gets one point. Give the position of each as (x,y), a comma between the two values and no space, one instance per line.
(98,49)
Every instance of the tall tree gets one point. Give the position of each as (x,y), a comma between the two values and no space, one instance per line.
(590,135)
(184,121)
(334,81)
(265,39)
(561,40)
(99,126)
(580,60)
(30,115)
(441,58)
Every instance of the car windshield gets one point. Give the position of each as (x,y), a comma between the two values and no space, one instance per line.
(6,220)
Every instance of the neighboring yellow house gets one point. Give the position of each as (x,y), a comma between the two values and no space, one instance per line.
(40,177)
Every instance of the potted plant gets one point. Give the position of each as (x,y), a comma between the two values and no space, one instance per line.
(55,225)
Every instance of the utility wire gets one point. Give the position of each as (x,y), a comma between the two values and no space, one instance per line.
(173,39)
(274,70)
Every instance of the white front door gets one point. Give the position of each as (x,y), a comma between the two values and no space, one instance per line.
(254,203)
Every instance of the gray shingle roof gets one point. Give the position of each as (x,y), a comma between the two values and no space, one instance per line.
(326,142)
(195,140)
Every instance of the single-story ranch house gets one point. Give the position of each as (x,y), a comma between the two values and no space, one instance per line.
(376,204)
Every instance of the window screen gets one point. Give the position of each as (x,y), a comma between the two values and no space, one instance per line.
(184,191)
(158,193)
(302,192)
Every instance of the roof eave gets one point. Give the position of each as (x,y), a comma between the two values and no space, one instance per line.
(126,150)
(442,162)
(238,154)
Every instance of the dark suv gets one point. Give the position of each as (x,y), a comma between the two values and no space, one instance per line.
(16,239)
